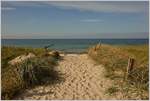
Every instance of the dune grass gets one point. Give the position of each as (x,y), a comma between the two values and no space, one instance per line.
(115,60)
(10,52)
(34,71)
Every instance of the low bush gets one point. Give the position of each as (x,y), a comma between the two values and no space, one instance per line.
(34,71)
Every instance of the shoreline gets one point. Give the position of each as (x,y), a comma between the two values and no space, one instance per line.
(73,50)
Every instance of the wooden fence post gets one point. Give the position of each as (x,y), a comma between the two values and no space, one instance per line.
(100,43)
(130,66)
(94,48)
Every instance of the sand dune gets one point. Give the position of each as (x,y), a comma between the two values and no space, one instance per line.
(83,80)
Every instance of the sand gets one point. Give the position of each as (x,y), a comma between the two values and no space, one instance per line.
(84,80)
(21,58)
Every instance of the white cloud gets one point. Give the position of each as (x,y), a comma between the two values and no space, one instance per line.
(28,3)
(7,8)
(91,20)
(94,6)
(123,7)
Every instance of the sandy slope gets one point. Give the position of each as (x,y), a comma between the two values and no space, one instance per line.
(83,80)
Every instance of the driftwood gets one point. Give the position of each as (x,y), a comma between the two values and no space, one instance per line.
(54,53)
(46,48)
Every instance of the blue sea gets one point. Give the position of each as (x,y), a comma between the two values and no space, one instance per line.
(69,45)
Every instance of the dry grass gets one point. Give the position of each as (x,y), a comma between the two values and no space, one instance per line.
(35,71)
(115,60)
(9,53)
(112,90)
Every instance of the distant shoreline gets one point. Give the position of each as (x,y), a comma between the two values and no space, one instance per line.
(70,45)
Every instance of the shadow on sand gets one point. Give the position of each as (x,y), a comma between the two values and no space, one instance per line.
(56,77)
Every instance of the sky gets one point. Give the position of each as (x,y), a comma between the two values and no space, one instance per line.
(74,19)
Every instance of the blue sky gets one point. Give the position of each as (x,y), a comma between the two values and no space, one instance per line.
(64,19)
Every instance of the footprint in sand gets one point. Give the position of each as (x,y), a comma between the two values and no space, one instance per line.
(83,81)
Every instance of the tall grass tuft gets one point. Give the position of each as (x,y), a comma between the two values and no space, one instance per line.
(34,71)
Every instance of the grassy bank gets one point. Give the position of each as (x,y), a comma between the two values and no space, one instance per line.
(115,61)
(34,71)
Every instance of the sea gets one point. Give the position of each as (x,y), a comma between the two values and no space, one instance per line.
(69,45)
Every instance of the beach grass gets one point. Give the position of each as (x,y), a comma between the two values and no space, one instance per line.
(10,52)
(34,71)
(114,58)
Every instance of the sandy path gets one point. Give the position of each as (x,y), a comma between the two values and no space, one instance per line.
(83,80)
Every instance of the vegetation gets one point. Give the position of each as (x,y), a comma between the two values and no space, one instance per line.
(112,90)
(115,61)
(34,71)
(9,53)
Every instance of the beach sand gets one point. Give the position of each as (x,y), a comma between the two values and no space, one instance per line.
(84,80)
